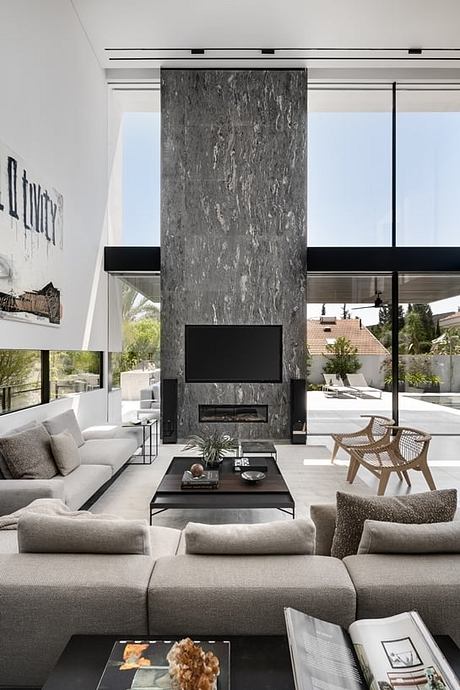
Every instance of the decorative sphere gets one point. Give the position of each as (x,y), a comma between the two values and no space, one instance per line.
(197,470)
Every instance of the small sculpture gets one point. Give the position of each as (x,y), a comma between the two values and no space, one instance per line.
(191,668)
(196,470)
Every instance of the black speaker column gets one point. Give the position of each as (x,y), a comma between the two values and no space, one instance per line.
(298,417)
(169,410)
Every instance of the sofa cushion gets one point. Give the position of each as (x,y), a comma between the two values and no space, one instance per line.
(83,482)
(352,511)
(394,537)
(280,537)
(55,534)
(65,452)
(28,454)
(48,598)
(245,595)
(17,493)
(4,469)
(389,584)
(164,541)
(66,421)
(8,541)
(112,452)
(323,515)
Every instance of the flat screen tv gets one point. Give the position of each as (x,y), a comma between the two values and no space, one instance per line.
(233,354)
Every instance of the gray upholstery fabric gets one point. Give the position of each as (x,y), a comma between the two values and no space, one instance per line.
(66,421)
(164,541)
(52,534)
(47,598)
(113,452)
(17,493)
(4,470)
(83,482)
(245,595)
(100,431)
(389,584)
(352,511)
(28,454)
(9,541)
(280,537)
(323,515)
(394,537)
(65,452)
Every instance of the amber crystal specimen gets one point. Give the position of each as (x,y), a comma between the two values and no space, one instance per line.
(191,668)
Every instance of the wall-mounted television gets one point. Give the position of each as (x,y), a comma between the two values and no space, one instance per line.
(233,354)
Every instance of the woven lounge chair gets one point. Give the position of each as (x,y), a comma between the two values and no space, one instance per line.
(376,431)
(359,384)
(408,450)
(334,384)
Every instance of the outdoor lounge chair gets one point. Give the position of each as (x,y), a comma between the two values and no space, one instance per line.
(334,384)
(376,432)
(408,450)
(359,384)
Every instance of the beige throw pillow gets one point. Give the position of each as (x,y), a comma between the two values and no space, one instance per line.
(28,454)
(280,537)
(66,421)
(352,511)
(394,537)
(65,452)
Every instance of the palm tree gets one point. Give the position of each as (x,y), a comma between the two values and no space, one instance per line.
(135,306)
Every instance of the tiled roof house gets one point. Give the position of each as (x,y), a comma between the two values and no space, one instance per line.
(327,329)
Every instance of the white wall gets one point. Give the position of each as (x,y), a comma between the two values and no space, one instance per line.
(53,114)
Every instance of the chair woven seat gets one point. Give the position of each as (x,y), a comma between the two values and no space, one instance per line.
(375,432)
(407,450)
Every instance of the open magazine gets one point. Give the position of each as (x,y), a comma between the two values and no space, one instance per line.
(379,654)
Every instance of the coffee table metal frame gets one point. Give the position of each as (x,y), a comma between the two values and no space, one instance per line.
(214,499)
(147,457)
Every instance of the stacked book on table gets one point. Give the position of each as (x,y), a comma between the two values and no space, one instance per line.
(208,480)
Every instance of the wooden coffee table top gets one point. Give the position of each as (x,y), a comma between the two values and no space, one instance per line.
(229,481)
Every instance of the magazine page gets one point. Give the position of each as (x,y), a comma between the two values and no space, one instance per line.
(143,664)
(322,654)
(394,654)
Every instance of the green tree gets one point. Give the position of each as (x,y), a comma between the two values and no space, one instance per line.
(418,331)
(16,366)
(342,358)
(448,344)
(141,343)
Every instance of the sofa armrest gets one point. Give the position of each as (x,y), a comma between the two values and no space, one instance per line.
(17,493)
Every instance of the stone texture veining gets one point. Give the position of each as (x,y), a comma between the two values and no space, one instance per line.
(233,219)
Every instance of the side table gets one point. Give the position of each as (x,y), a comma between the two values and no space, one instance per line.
(147,425)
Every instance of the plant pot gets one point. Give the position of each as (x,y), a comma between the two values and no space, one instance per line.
(212,462)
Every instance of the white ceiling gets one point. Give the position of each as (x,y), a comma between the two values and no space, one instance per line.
(254,24)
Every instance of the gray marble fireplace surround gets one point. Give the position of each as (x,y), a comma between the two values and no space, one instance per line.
(233,221)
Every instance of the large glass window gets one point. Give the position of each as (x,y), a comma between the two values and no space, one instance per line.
(20,379)
(349,166)
(428,166)
(348,350)
(134,147)
(429,352)
(74,372)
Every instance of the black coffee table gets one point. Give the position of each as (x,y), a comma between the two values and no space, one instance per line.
(256,662)
(232,492)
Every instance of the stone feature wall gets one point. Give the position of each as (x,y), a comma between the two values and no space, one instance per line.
(233,222)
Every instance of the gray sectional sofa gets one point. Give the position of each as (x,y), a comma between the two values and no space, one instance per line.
(103,453)
(46,598)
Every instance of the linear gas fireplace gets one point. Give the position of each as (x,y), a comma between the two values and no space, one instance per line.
(233,413)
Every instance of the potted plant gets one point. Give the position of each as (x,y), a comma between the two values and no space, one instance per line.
(212,446)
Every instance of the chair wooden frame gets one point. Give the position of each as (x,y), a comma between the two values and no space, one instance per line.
(376,432)
(408,450)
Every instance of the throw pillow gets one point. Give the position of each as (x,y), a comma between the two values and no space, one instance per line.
(28,454)
(4,470)
(352,511)
(66,421)
(290,537)
(53,534)
(65,452)
(393,537)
